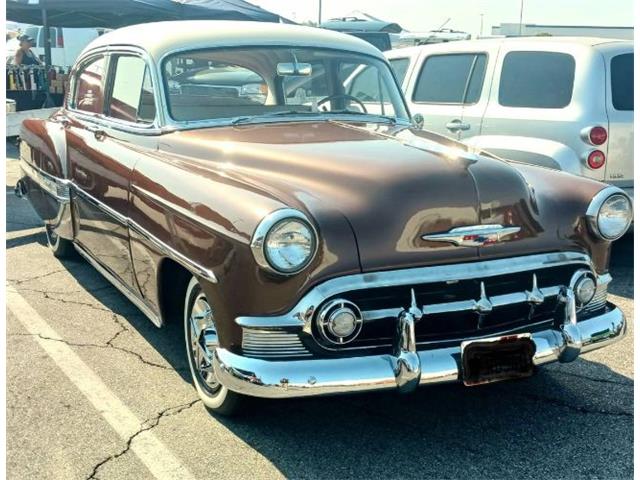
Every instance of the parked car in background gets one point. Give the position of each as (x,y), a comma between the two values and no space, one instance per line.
(308,237)
(560,102)
(66,43)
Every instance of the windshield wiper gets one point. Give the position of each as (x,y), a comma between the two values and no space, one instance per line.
(392,120)
(282,113)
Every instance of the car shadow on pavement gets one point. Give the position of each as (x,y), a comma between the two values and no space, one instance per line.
(556,424)
(621,266)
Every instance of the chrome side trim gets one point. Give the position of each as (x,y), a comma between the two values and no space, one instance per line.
(57,187)
(133,298)
(163,247)
(473,235)
(301,315)
(187,214)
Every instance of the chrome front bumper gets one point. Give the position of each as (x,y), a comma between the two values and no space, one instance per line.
(405,368)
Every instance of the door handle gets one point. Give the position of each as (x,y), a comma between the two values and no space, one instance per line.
(456,125)
(97,131)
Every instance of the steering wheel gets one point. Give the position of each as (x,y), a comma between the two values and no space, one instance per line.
(343,95)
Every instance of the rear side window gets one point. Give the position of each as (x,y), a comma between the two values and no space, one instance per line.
(399,67)
(455,78)
(622,81)
(537,80)
(131,96)
(88,92)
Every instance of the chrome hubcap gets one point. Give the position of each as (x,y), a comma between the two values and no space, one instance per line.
(203,339)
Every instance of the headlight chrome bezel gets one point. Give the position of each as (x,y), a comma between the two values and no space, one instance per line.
(259,239)
(594,210)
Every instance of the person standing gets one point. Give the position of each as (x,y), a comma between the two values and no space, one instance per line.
(24,55)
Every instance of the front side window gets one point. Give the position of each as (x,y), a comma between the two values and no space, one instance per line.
(622,81)
(131,96)
(253,82)
(537,80)
(88,90)
(452,79)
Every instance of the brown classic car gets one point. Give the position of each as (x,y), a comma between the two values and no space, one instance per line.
(265,185)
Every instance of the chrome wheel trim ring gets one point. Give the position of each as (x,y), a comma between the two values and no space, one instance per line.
(202,341)
(52,236)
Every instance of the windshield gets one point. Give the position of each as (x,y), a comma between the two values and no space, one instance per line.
(257,82)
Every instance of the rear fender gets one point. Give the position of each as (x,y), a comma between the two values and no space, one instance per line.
(43,161)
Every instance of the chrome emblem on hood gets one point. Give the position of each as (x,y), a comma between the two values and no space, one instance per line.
(473,235)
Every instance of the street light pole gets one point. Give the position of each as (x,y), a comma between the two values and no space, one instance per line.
(319,12)
(481,23)
(521,9)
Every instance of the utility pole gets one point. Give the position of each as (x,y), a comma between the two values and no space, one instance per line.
(319,12)
(521,9)
(481,24)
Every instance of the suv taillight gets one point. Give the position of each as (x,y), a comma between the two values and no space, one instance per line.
(60,39)
(598,135)
(596,159)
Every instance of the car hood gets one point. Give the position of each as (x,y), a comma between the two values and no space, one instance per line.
(394,185)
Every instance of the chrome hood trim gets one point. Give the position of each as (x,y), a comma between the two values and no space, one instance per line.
(473,235)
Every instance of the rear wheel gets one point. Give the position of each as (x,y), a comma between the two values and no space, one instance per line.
(61,247)
(201,339)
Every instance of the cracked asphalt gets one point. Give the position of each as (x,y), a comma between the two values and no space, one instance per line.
(569,421)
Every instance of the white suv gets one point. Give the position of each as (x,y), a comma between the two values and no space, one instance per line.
(565,103)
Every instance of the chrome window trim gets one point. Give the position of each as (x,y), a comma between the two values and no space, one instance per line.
(595,205)
(154,128)
(168,121)
(263,229)
(301,315)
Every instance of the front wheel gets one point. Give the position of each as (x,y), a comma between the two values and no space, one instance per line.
(61,247)
(201,340)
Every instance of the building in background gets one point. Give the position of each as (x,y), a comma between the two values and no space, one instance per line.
(531,29)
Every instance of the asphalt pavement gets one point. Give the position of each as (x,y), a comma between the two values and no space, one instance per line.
(94,390)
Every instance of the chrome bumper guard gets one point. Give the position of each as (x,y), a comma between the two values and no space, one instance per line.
(405,368)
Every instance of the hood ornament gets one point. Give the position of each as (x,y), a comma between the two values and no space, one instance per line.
(474,235)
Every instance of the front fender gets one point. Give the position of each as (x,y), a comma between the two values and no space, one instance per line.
(536,151)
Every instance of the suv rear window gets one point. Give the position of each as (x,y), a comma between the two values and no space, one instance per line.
(537,80)
(453,78)
(622,81)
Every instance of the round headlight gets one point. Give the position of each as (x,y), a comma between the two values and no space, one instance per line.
(284,242)
(289,245)
(610,213)
(614,217)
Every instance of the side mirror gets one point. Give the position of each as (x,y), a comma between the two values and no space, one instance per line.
(418,121)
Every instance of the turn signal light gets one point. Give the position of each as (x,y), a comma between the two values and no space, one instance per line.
(596,159)
(598,135)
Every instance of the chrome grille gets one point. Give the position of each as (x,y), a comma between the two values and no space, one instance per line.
(272,344)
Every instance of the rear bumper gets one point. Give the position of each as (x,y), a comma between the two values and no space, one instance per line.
(403,370)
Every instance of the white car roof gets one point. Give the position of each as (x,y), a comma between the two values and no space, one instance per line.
(509,41)
(161,38)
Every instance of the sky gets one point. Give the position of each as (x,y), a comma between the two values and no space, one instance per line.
(423,15)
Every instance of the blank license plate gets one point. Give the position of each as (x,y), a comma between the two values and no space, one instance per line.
(495,359)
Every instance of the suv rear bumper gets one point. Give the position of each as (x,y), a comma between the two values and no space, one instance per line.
(403,370)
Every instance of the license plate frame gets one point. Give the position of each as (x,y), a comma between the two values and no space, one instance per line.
(496,359)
